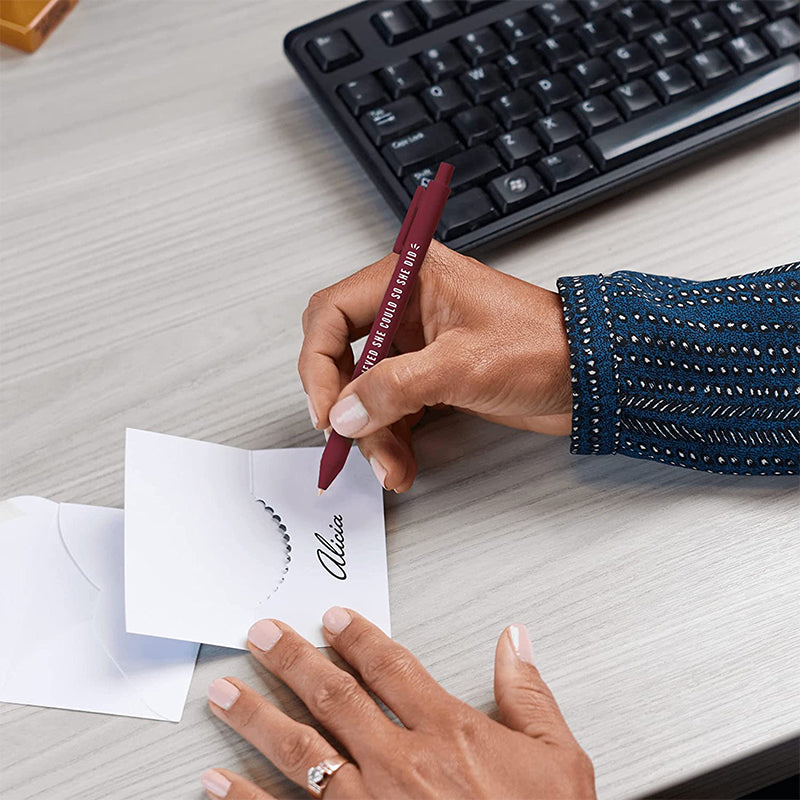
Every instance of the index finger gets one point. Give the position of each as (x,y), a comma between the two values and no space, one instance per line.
(388,669)
(334,317)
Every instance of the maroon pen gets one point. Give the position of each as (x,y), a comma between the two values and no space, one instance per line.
(413,241)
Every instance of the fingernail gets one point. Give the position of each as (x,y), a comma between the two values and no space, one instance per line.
(379,470)
(521,643)
(264,633)
(349,416)
(311,412)
(215,783)
(222,693)
(336,619)
(328,433)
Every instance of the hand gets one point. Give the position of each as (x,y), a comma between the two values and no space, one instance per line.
(446,749)
(472,338)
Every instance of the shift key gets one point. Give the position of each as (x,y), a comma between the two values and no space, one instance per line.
(421,147)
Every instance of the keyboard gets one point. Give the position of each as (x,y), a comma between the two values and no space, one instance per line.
(543,108)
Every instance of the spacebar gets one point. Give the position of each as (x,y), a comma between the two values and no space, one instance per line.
(693,114)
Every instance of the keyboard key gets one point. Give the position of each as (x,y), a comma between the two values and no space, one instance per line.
(636,20)
(396,24)
(403,78)
(561,51)
(476,125)
(566,168)
(741,15)
(634,98)
(432,13)
(674,10)
(465,212)
(522,67)
(480,46)
(414,150)
(517,147)
(519,30)
(516,190)
(362,93)
(515,109)
(596,115)
(477,165)
(591,7)
(558,130)
(710,66)
(705,30)
(593,77)
(333,50)
(672,83)
(393,120)
(668,46)
(780,8)
(556,15)
(483,84)
(782,35)
(631,61)
(598,36)
(444,99)
(442,62)
(746,51)
(554,93)
(681,119)
(471,6)
(422,177)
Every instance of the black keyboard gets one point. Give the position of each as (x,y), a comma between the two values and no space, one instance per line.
(543,108)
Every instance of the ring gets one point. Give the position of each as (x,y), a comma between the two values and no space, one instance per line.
(320,775)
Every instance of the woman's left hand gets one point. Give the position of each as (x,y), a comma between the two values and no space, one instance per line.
(444,748)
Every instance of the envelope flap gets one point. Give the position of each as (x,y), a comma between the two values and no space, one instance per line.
(150,665)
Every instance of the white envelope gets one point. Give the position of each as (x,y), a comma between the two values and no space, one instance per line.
(217,537)
(62,621)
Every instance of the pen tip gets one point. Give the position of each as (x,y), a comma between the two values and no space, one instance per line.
(319,492)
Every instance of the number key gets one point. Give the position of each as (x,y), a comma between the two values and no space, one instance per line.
(480,46)
(403,78)
(442,62)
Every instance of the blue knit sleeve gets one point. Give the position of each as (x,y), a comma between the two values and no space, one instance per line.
(698,374)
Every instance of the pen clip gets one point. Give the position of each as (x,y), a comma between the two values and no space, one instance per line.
(409,218)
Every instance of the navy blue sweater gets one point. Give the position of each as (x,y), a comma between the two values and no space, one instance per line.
(698,374)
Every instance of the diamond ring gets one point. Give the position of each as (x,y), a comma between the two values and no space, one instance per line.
(320,775)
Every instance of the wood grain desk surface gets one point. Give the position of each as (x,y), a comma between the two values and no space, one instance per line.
(150,278)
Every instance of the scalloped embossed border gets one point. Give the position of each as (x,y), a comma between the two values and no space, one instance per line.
(287,543)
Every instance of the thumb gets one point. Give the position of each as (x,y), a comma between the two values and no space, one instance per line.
(523,699)
(393,389)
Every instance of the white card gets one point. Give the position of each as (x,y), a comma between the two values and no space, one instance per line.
(217,537)
(62,628)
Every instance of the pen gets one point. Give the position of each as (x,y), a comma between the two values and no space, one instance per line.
(413,241)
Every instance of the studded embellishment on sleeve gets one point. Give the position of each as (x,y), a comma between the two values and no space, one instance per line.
(698,374)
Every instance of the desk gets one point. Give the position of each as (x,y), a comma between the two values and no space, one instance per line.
(151,280)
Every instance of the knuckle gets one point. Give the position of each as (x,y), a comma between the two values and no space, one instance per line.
(334,691)
(399,378)
(252,716)
(287,657)
(389,665)
(295,750)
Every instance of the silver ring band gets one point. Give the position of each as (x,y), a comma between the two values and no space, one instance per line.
(320,775)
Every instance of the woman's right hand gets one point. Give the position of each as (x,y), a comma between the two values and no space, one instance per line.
(472,338)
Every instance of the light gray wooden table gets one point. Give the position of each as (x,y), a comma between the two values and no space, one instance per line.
(171,196)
